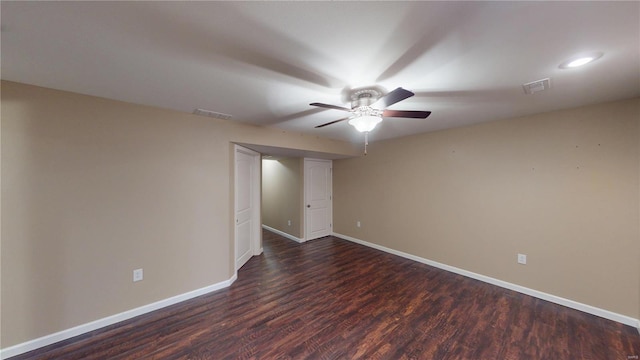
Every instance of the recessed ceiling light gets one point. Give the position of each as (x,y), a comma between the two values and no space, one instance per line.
(580,60)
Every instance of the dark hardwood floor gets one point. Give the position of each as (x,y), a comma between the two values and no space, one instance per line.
(332,299)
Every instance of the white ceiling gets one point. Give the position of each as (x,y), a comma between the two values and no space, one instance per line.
(264,62)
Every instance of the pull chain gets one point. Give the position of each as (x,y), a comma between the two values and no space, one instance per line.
(366,142)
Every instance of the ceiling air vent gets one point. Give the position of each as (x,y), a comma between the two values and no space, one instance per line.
(536,86)
(212,114)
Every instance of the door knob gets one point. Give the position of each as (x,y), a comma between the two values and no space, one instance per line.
(308,205)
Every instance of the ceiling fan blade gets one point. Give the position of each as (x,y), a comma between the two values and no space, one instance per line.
(406,114)
(333,122)
(393,97)
(335,107)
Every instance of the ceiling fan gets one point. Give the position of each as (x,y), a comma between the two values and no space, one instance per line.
(368,107)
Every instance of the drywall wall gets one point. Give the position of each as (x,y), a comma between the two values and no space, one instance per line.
(282,184)
(560,187)
(0,231)
(94,188)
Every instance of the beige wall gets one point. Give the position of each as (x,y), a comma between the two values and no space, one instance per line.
(561,187)
(282,184)
(94,188)
(1,347)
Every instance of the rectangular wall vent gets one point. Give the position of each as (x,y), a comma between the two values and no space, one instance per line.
(536,86)
(212,114)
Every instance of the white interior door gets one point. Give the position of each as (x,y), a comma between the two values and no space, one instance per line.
(318,198)
(247,205)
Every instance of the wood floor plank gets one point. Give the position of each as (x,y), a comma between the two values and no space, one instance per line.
(332,299)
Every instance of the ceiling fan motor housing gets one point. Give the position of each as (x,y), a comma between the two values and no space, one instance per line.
(364,97)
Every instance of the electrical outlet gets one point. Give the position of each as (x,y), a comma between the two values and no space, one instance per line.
(137,275)
(289,222)
(358,223)
(522,259)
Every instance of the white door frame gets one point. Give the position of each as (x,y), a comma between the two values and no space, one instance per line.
(306,200)
(256,233)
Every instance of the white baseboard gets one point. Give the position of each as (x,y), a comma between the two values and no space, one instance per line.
(282,233)
(627,320)
(110,320)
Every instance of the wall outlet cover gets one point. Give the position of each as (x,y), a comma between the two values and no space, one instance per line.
(137,275)
(522,259)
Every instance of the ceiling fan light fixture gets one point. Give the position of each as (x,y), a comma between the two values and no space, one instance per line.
(365,123)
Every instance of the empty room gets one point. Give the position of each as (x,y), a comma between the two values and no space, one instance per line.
(319,180)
